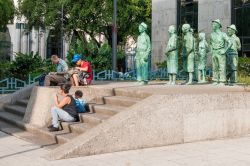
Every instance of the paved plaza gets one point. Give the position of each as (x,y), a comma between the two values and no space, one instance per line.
(230,152)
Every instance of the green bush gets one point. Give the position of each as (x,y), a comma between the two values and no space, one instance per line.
(4,69)
(99,57)
(244,66)
(25,65)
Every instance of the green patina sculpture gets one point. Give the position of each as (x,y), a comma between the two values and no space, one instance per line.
(188,51)
(232,55)
(172,55)
(196,56)
(142,55)
(202,53)
(220,43)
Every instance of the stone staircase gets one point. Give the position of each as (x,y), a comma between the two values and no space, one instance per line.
(111,105)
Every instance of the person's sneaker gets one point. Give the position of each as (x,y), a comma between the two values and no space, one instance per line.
(52,129)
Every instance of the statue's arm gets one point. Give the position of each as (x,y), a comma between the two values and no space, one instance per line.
(190,45)
(173,46)
(230,44)
(238,44)
(202,49)
(148,46)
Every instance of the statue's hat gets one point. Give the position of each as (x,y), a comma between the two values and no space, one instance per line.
(144,25)
(233,27)
(217,21)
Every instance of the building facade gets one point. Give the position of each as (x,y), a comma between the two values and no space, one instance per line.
(199,14)
(18,38)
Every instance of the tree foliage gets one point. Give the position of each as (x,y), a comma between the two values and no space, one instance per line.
(7,11)
(88,16)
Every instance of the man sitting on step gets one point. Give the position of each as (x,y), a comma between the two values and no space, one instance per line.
(61,74)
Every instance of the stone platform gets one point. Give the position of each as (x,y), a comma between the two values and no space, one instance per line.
(126,117)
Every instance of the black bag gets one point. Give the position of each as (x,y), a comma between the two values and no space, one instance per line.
(42,79)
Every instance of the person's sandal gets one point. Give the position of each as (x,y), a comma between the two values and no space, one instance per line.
(53,129)
(49,127)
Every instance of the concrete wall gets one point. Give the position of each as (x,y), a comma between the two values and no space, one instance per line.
(211,10)
(164,14)
(162,120)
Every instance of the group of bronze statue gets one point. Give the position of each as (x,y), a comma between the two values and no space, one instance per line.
(224,48)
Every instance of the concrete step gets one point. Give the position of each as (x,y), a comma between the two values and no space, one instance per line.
(122,101)
(23,102)
(64,138)
(13,119)
(131,93)
(27,136)
(93,119)
(44,133)
(76,127)
(15,109)
(107,109)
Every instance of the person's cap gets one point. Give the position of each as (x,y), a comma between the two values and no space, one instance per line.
(76,58)
(233,27)
(144,25)
(218,22)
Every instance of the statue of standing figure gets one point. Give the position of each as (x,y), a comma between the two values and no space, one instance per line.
(142,55)
(220,44)
(232,55)
(172,55)
(188,49)
(203,50)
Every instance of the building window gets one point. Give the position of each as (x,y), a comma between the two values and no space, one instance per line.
(5,45)
(187,13)
(241,18)
(54,45)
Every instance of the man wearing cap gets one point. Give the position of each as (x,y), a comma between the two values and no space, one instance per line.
(220,44)
(188,50)
(232,55)
(82,74)
(142,55)
(60,76)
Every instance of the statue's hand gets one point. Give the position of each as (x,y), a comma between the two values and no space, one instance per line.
(223,51)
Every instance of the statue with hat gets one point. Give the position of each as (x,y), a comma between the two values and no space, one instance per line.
(232,55)
(220,44)
(188,51)
(143,51)
(172,55)
(202,53)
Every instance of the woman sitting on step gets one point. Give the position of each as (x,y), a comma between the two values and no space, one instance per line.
(64,110)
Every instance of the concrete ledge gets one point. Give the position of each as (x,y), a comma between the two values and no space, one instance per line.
(42,99)
(161,120)
(21,94)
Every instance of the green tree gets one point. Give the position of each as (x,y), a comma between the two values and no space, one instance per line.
(88,16)
(7,11)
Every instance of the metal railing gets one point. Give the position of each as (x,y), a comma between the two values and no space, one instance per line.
(9,85)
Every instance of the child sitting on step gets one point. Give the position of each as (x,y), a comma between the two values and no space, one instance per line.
(80,104)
